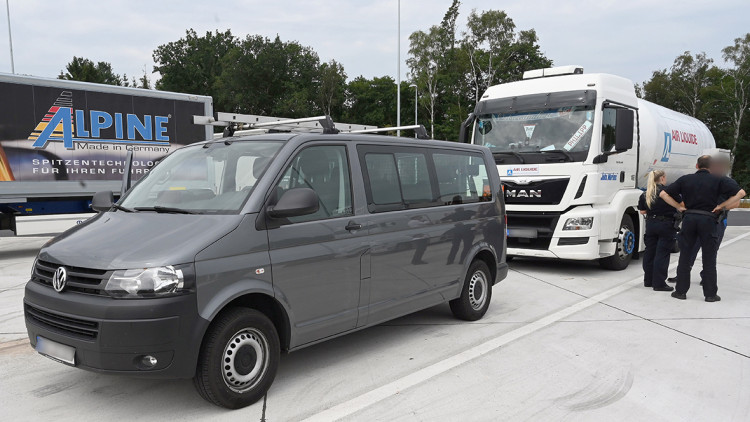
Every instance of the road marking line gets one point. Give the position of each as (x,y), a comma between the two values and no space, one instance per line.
(371,397)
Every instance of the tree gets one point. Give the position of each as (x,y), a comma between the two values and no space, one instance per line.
(426,50)
(193,64)
(371,101)
(85,70)
(689,80)
(261,76)
(332,90)
(736,85)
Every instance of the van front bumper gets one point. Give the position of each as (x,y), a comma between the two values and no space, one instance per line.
(114,336)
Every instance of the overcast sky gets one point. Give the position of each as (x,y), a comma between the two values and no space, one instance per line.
(630,38)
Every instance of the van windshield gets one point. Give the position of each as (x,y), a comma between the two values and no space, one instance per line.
(207,178)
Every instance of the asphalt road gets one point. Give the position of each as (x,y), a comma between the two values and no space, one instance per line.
(561,341)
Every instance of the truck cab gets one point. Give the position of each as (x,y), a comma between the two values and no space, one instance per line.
(566,147)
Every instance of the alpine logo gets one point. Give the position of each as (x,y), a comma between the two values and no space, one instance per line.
(64,123)
(523,193)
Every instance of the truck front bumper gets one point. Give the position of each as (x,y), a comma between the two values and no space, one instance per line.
(115,336)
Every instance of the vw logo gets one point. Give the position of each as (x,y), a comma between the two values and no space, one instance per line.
(59,279)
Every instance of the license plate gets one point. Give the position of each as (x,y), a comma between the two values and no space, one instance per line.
(56,351)
(526,233)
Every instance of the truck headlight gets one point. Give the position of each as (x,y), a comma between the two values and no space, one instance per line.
(146,282)
(579,223)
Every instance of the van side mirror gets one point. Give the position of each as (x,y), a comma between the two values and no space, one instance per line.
(102,201)
(295,202)
(624,129)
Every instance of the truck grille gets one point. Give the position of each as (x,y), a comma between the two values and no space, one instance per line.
(80,280)
(537,192)
(63,324)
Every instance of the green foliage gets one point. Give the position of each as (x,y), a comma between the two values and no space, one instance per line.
(720,97)
(85,70)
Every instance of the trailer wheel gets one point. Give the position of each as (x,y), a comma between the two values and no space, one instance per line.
(238,359)
(624,249)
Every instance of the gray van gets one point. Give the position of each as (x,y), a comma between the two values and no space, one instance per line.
(231,251)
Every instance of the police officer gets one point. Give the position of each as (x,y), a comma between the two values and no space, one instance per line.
(700,193)
(720,166)
(660,232)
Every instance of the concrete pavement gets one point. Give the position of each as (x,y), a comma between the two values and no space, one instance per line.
(562,341)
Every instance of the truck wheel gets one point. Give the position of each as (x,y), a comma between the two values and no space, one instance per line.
(238,359)
(476,294)
(624,249)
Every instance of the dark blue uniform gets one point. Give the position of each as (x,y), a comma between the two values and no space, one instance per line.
(659,240)
(721,228)
(701,192)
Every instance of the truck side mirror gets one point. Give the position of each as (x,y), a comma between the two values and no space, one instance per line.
(624,129)
(102,201)
(295,202)
(464,132)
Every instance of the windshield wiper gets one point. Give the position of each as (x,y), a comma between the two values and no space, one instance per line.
(120,207)
(513,153)
(161,209)
(565,153)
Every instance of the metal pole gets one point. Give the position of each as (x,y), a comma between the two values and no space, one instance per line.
(10,38)
(398,72)
(416,90)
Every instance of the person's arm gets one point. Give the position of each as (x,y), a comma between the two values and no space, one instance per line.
(732,202)
(669,200)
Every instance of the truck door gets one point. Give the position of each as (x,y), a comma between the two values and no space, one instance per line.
(316,258)
(619,171)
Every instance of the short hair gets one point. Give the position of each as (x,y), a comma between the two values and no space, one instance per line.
(704,162)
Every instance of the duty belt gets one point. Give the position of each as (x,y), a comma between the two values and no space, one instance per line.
(660,218)
(703,213)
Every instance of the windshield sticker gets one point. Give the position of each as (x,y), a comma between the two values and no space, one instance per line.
(529,130)
(576,138)
(523,117)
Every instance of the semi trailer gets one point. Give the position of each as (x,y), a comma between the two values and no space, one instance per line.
(62,141)
(574,151)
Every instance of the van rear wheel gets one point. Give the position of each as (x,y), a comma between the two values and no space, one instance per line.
(238,359)
(476,294)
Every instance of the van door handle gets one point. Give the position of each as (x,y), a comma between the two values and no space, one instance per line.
(353,226)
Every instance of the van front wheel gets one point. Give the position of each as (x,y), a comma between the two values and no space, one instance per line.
(238,359)
(476,294)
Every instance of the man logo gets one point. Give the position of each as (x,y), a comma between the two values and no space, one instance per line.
(523,193)
(59,279)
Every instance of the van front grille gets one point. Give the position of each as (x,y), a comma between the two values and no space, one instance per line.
(80,280)
(63,324)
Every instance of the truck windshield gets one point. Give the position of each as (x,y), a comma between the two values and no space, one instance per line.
(208,178)
(533,136)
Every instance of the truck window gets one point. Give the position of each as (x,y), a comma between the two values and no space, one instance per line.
(324,169)
(462,177)
(397,180)
(609,123)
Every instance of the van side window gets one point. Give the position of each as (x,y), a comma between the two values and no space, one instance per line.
(397,180)
(462,177)
(609,123)
(324,169)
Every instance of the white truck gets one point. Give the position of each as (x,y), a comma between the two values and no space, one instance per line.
(574,151)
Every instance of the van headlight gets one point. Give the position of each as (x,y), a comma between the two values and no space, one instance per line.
(146,282)
(579,223)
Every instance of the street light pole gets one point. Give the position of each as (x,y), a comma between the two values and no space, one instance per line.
(10,38)
(398,72)
(416,90)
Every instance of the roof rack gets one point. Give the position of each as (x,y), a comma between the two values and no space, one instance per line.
(248,124)
(251,123)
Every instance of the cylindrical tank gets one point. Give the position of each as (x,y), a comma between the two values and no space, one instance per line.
(670,141)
